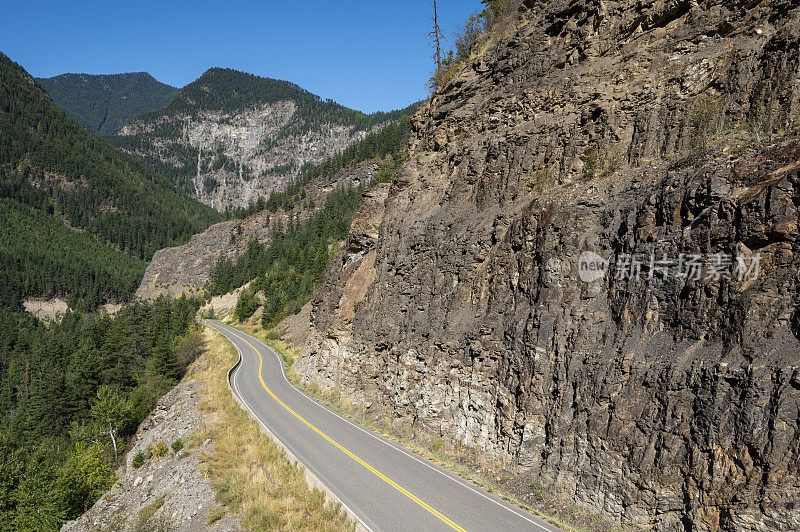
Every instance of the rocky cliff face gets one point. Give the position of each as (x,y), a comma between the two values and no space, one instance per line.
(239,155)
(229,137)
(186,269)
(663,138)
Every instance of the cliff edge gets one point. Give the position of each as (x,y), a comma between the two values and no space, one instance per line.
(589,264)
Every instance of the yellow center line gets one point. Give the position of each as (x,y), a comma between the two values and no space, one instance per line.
(339,446)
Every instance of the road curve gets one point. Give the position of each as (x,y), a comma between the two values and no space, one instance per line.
(384,485)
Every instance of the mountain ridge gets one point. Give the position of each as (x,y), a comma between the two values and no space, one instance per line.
(51,164)
(230,137)
(105,102)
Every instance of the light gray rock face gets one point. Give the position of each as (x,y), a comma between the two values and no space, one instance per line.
(622,128)
(186,269)
(239,156)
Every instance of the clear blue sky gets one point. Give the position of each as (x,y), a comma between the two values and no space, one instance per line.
(369,55)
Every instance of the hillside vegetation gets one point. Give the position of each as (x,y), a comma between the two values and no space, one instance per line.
(41,257)
(288,270)
(71,393)
(481,29)
(78,217)
(51,163)
(104,103)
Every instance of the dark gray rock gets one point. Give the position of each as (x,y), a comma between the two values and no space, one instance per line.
(623,128)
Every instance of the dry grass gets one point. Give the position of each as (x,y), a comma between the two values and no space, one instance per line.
(250,474)
(149,520)
(464,461)
(452,456)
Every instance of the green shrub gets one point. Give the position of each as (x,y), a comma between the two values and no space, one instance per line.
(177,445)
(159,449)
(539,493)
(187,351)
(247,304)
(589,159)
(138,460)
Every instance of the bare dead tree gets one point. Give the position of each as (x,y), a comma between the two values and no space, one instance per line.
(436,36)
(112,433)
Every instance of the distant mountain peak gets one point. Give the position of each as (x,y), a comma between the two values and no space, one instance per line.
(105,102)
(233,136)
(227,89)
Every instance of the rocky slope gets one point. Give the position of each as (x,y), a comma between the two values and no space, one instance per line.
(186,269)
(230,137)
(168,492)
(666,396)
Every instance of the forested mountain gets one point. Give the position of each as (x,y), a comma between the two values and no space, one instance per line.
(41,257)
(325,192)
(79,219)
(50,162)
(104,103)
(230,136)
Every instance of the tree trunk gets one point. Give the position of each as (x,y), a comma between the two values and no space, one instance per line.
(111,433)
(436,35)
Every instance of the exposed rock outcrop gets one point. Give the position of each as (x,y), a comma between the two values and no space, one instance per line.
(168,492)
(186,269)
(631,130)
(241,155)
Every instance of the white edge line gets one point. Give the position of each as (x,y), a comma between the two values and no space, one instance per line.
(270,433)
(402,450)
(290,454)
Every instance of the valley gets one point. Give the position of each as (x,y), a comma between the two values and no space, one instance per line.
(558,293)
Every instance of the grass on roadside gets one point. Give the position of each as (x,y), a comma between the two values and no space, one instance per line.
(250,474)
(451,457)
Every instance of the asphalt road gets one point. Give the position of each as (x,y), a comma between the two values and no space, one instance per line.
(386,486)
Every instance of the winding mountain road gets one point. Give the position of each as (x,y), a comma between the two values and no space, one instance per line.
(385,486)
